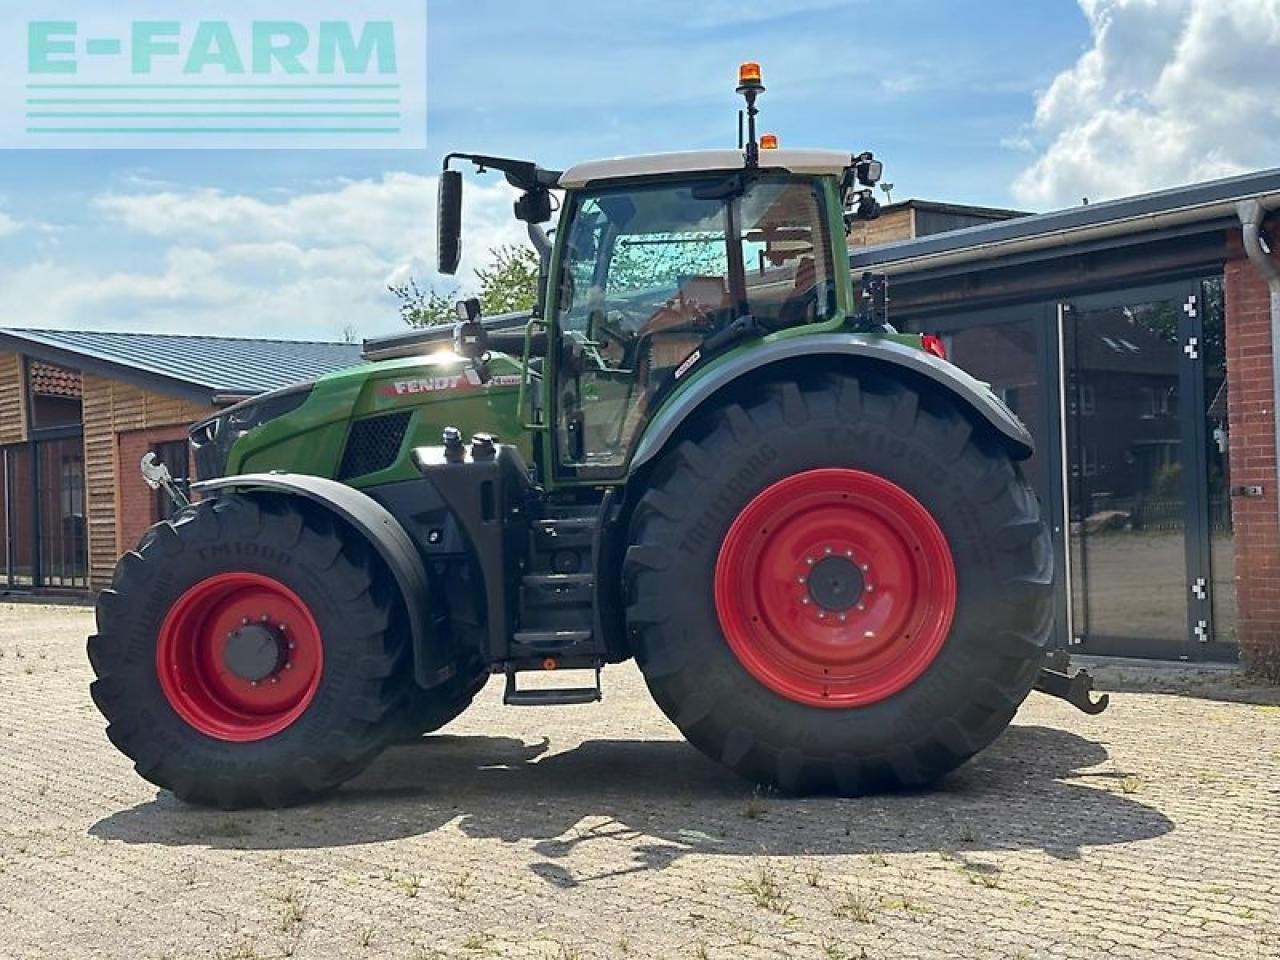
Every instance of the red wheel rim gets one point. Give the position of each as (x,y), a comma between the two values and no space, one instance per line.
(239,657)
(835,588)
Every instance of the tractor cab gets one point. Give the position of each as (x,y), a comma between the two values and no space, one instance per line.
(657,271)
(662,264)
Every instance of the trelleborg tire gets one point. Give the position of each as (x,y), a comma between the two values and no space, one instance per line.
(841,586)
(248,654)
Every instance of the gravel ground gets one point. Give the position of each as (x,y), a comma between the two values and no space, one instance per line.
(585,832)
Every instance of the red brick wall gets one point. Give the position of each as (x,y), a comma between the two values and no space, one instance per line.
(1253,460)
(137,500)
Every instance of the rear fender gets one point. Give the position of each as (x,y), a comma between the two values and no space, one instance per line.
(973,395)
(432,653)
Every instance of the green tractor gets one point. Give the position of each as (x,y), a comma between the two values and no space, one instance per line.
(704,449)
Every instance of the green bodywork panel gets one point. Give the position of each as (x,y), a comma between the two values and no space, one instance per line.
(442,390)
(438,389)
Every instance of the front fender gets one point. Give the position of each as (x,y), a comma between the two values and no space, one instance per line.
(973,394)
(433,656)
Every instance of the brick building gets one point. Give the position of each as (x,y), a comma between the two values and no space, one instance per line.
(78,410)
(1135,339)
(922,218)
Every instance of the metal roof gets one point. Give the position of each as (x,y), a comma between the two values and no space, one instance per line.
(1197,203)
(700,161)
(209,369)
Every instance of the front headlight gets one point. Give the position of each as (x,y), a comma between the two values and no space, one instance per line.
(212,439)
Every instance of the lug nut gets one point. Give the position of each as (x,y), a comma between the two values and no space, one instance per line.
(799,579)
(805,601)
(869,634)
(809,561)
(843,618)
(848,553)
(827,551)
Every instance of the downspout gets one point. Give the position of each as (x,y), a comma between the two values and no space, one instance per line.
(1251,214)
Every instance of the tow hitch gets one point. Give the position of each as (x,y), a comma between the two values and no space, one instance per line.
(1076,689)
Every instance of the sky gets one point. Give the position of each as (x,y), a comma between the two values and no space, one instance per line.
(1033,104)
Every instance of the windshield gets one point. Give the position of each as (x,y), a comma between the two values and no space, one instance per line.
(648,272)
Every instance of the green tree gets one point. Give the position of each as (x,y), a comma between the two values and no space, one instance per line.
(508,283)
(423,308)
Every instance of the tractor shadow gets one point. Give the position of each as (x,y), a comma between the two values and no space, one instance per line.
(665,800)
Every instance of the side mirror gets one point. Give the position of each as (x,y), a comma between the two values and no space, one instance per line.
(863,206)
(449,222)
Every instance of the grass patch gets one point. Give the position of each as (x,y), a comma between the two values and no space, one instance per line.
(764,890)
(410,885)
(855,906)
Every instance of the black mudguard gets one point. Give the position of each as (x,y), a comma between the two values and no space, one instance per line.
(972,393)
(433,654)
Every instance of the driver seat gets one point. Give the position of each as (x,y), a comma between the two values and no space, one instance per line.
(676,328)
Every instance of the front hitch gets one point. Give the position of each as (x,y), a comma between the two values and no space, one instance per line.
(1076,690)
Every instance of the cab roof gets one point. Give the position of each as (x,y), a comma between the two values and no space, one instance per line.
(703,161)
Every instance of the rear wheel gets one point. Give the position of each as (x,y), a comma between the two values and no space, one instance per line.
(839,587)
(248,653)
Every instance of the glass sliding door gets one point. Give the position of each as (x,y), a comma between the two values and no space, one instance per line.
(1137,473)
(1126,478)
(1126,396)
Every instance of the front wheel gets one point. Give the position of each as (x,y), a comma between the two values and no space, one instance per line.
(248,654)
(842,586)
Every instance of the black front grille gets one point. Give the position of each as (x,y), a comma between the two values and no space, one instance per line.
(373,443)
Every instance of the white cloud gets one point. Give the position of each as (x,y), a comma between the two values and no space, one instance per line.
(307,266)
(1170,92)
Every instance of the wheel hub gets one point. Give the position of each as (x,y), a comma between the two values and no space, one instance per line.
(835,584)
(239,656)
(255,651)
(835,588)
